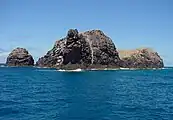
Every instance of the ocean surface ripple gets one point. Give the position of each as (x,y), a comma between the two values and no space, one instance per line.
(47,94)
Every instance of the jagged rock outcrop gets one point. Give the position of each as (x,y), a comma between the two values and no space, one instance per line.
(91,48)
(20,57)
(140,58)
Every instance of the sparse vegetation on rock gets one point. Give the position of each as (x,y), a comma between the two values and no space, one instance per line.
(140,58)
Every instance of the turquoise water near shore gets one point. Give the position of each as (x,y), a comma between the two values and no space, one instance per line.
(46,94)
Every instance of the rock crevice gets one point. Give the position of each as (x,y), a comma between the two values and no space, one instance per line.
(84,49)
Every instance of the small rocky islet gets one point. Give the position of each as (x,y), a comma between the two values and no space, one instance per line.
(140,58)
(20,57)
(87,50)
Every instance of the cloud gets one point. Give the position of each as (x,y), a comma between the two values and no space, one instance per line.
(168,60)
(3,55)
(2,50)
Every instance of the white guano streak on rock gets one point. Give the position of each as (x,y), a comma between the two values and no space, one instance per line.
(90,44)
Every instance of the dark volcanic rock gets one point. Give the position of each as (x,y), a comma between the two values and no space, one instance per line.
(103,49)
(20,57)
(140,58)
(81,50)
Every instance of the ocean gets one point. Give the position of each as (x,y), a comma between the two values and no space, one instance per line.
(47,94)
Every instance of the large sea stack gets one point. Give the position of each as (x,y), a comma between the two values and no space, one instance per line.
(20,57)
(140,58)
(81,50)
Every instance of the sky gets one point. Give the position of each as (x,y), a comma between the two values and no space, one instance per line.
(37,24)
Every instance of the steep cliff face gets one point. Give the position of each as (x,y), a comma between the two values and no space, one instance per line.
(81,49)
(103,50)
(93,49)
(20,57)
(140,58)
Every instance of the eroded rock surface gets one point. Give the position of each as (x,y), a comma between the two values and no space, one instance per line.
(20,57)
(93,49)
(85,49)
(140,58)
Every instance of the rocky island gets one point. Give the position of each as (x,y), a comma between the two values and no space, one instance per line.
(140,58)
(20,57)
(88,50)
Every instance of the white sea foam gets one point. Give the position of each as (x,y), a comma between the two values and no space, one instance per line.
(124,68)
(105,69)
(94,69)
(166,68)
(75,70)
(61,70)
(2,66)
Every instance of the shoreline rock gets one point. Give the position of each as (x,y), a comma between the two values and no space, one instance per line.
(141,58)
(20,57)
(85,49)
(93,49)
(88,50)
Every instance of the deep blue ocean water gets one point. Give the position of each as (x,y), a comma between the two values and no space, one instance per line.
(46,94)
